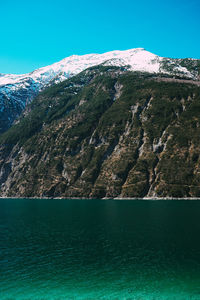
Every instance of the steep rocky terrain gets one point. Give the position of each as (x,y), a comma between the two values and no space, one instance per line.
(106,132)
(17,91)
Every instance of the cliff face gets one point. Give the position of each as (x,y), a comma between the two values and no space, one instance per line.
(106,132)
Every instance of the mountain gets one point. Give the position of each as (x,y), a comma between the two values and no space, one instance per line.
(17,91)
(107,132)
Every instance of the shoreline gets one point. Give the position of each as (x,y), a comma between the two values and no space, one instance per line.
(116,198)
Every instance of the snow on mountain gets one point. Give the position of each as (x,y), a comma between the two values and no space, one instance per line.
(17,90)
(138,59)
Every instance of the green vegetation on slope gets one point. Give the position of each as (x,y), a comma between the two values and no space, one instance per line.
(106,133)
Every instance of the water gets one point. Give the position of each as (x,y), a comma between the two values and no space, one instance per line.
(95,249)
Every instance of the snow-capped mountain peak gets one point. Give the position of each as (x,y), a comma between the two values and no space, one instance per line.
(138,59)
(17,90)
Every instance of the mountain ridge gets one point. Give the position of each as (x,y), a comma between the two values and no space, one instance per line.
(95,58)
(16,91)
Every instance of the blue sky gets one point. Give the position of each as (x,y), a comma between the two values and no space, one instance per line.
(37,33)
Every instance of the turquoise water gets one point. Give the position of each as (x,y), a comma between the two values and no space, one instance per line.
(95,249)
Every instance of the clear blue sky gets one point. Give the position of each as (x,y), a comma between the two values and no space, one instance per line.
(37,33)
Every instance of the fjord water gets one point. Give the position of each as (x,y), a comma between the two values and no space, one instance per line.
(95,249)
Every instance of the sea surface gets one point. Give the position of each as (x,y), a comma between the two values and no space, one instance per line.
(99,249)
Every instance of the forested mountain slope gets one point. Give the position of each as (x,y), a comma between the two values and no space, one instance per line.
(106,132)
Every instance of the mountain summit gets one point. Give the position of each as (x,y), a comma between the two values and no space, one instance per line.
(137,59)
(16,91)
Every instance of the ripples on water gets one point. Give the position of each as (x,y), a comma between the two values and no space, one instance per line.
(94,249)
